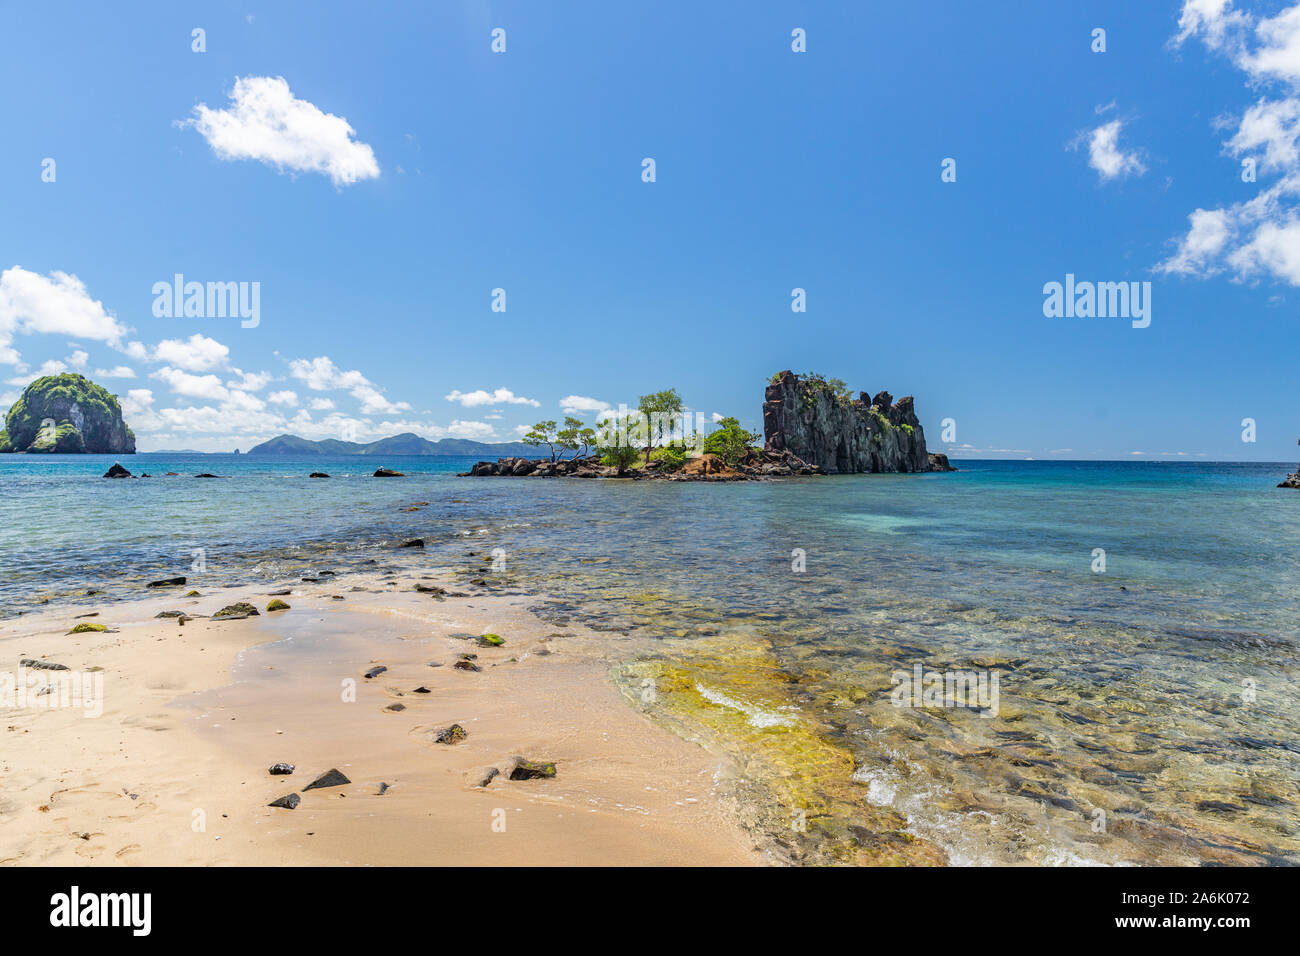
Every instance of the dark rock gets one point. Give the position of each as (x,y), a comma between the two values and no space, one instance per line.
(490,774)
(318,474)
(287,802)
(41,665)
(421,690)
(396,707)
(413,543)
(383,788)
(330,778)
(236,612)
(117,471)
(531,769)
(388,473)
(165,583)
(1291,481)
(375,672)
(178,614)
(283,592)
(839,434)
(491,640)
(450,735)
(939,462)
(281,769)
(466,666)
(206,475)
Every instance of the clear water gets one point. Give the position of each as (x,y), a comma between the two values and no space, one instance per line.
(1147,714)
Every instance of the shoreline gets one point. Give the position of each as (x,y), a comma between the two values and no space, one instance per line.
(175,771)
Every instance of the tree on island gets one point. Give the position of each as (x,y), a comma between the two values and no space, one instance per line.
(575,437)
(543,433)
(615,444)
(730,441)
(659,409)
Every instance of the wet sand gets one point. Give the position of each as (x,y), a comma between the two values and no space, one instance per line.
(175,770)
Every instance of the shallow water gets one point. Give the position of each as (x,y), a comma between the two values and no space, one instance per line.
(1145,714)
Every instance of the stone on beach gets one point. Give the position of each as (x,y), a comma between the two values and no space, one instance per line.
(287,802)
(281,769)
(375,672)
(276,605)
(86,626)
(525,769)
(236,611)
(41,665)
(330,778)
(450,735)
(166,582)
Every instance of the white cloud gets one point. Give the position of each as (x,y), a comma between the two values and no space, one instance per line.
(572,404)
(77,359)
(266,122)
(117,371)
(321,404)
(500,396)
(1260,235)
(249,381)
(55,304)
(1106,156)
(321,373)
(198,353)
(195,386)
(52,367)
(283,398)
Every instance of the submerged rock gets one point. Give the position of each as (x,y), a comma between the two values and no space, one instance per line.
(330,778)
(388,473)
(413,543)
(166,583)
(318,474)
(287,802)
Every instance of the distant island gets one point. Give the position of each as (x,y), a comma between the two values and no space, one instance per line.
(66,414)
(406,443)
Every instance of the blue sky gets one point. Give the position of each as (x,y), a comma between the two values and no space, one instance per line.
(467,170)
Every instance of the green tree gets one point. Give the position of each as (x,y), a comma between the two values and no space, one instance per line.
(729,441)
(614,444)
(659,409)
(573,436)
(543,433)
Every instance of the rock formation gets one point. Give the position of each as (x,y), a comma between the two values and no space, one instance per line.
(821,423)
(66,414)
(1291,481)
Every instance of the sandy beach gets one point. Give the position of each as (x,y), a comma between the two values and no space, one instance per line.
(175,769)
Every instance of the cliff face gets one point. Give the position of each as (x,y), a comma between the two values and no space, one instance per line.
(66,414)
(824,425)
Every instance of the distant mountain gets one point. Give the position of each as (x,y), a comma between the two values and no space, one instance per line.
(404,444)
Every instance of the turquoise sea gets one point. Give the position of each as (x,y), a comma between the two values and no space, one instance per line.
(1147,713)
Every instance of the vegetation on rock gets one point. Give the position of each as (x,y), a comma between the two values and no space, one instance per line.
(66,414)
